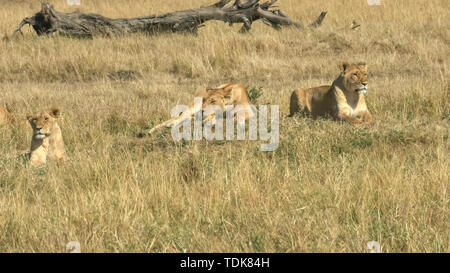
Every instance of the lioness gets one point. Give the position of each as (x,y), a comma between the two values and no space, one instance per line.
(5,117)
(226,94)
(47,141)
(343,100)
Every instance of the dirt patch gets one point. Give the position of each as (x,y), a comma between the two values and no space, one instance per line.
(124,75)
(336,43)
(387,46)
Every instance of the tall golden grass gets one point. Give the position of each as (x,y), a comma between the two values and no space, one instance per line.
(329,187)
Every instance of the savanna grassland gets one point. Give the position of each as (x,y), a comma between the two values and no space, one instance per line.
(329,187)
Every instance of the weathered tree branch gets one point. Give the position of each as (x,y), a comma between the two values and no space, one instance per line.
(85,25)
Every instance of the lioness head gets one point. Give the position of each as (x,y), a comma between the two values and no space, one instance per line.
(354,77)
(214,99)
(44,123)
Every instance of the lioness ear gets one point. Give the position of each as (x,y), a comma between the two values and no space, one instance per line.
(29,117)
(55,111)
(344,66)
(363,67)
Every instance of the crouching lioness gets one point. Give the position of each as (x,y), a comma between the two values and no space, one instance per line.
(343,100)
(47,142)
(227,94)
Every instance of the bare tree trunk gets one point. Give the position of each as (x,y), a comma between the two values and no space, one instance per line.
(85,25)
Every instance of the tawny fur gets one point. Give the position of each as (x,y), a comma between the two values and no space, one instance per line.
(343,100)
(47,142)
(226,94)
(5,117)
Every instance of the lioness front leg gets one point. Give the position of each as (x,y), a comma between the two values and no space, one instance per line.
(211,117)
(366,116)
(169,123)
(350,118)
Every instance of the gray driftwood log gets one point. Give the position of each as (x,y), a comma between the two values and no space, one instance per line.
(48,21)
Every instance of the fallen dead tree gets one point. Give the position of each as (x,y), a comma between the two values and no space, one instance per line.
(48,21)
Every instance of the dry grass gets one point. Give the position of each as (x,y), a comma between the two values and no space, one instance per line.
(330,187)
